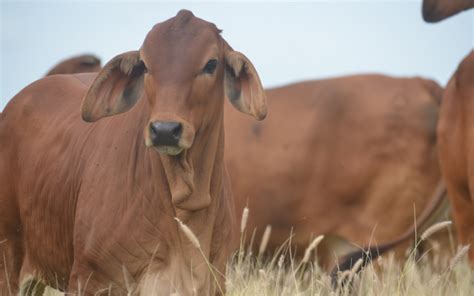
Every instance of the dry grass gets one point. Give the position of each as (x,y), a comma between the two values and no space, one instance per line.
(433,273)
(252,278)
(281,274)
(384,277)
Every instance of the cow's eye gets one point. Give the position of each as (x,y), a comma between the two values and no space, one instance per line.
(210,67)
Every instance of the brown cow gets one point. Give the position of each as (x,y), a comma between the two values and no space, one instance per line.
(455,130)
(437,10)
(90,207)
(453,140)
(349,156)
(79,64)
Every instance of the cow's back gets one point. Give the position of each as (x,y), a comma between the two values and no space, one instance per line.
(340,155)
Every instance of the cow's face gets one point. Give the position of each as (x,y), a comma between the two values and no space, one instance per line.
(183,69)
(184,81)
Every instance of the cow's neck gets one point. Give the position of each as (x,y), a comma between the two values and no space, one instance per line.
(200,170)
(190,175)
(195,183)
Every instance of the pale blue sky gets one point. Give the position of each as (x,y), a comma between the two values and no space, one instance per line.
(286,41)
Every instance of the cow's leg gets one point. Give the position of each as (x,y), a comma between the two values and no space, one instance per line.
(10,263)
(463,215)
(11,252)
(78,283)
(85,281)
(220,284)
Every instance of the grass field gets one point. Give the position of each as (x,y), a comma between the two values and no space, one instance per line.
(431,274)
(384,277)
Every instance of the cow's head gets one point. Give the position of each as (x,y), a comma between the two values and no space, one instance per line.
(79,64)
(437,10)
(182,73)
(183,69)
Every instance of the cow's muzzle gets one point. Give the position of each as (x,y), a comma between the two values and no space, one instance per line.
(165,133)
(167,137)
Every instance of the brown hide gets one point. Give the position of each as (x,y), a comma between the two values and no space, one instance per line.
(455,130)
(350,156)
(78,64)
(437,10)
(90,207)
(456,148)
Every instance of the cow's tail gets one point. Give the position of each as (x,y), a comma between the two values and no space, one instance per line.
(371,253)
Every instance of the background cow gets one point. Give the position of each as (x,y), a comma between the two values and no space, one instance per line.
(79,64)
(453,139)
(90,208)
(455,148)
(350,156)
(455,129)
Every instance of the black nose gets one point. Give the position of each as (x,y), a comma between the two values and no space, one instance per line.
(165,133)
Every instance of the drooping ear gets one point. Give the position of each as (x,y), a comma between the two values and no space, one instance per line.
(116,88)
(242,85)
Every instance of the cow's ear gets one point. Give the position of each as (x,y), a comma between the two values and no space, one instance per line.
(437,10)
(242,85)
(116,88)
